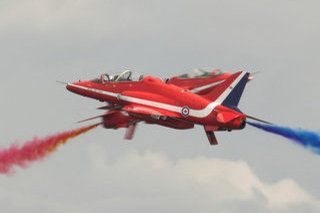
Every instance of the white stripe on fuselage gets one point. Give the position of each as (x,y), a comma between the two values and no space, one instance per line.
(198,89)
(193,112)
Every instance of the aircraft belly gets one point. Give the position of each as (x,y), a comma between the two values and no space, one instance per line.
(164,121)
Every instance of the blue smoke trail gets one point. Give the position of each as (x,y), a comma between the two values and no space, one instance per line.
(305,138)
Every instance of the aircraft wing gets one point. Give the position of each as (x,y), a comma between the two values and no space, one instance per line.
(147,110)
(98,116)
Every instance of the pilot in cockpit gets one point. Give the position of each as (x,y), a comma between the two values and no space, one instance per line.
(126,75)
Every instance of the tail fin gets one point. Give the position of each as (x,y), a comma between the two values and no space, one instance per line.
(229,92)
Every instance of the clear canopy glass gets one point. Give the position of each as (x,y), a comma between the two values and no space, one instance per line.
(125,75)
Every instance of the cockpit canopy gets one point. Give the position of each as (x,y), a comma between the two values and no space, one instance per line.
(126,75)
(201,73)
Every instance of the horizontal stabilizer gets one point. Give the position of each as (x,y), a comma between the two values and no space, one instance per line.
(111,107)
(225,117)
(105,107)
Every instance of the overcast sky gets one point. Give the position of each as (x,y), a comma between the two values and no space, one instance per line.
(161,170)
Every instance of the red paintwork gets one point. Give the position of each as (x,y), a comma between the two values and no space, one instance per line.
(167,122)
(116,119)
(126,94)
(191,83)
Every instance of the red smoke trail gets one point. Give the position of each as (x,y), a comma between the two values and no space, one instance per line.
(35,149)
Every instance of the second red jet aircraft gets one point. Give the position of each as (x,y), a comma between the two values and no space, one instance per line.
(205,98)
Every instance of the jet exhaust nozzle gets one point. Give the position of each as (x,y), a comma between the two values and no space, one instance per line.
(243,124)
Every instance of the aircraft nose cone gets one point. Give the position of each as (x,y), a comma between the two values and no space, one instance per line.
(77,87)
(71,87)
(68,87)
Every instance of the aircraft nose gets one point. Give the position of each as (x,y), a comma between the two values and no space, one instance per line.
(79,87)
(69,86)
(72,87)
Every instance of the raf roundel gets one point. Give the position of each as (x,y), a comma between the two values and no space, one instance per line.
(185,111)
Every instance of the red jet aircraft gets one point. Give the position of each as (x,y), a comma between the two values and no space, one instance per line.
(204,98)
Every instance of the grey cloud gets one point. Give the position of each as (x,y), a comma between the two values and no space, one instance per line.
(152,181)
